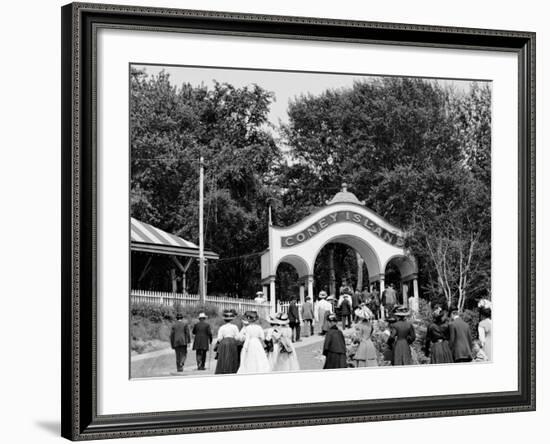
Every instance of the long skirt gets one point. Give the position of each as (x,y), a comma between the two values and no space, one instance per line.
(365,355)
(441,353)
(335,360)
(402,353)
(228,356)
(325,325)
(253,358)
(282,361)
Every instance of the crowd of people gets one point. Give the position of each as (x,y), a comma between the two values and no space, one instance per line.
(242,346)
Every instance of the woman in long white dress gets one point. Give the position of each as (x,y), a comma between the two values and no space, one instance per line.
(484,331)
(253,357)
(283,357)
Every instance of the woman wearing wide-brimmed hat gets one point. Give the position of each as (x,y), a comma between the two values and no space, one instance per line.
(437,339)
(228,345)
(402,335)
(270,332)
(283,358)
(253,357)
(365,355)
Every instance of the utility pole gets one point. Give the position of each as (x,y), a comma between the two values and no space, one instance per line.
(202,287)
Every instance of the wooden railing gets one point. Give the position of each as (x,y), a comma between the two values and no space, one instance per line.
(221,302)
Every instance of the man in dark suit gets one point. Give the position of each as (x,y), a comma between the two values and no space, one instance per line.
(374,304)
(179,338)
(460,338)
(294,320)
(203,338)
(344,304)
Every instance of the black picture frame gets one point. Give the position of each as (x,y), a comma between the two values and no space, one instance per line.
(80,420)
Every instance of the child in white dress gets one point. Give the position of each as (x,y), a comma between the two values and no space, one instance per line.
(283,358)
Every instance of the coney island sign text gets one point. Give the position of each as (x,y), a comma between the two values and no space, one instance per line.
(342,216)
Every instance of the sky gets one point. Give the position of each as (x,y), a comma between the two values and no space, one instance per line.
(285,85)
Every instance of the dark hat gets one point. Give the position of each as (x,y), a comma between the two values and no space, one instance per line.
(347,290)
(484,311)
(401,312)
(332,318)
(228,315)
(251,315)
(282,319)
(179,315)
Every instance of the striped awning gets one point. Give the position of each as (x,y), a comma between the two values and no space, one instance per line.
(150,239)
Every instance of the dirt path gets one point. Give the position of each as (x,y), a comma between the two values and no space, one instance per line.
(162,363)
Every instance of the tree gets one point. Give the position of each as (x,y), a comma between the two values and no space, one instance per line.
(449,231)
(417,153)
(171,127)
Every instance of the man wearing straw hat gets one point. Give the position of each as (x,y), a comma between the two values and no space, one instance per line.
(322,309)
(203,339)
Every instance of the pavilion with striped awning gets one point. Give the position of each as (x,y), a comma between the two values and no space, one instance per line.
(145,238)
(150,239)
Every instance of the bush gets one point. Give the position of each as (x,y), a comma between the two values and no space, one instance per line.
(424,310)
(151,324)
(158,313)
(153,312)
(193,311)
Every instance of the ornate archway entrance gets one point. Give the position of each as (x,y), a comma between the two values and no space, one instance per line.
(346,220)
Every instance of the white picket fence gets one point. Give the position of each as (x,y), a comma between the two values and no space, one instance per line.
(223,303)
(283,307)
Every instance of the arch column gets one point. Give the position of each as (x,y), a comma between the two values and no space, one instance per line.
(405,291)
(380,278)
(272,297)
(302,292)
(413,300)
(310,287)
(382,288)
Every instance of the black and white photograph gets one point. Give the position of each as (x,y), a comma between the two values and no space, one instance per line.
(293,221)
